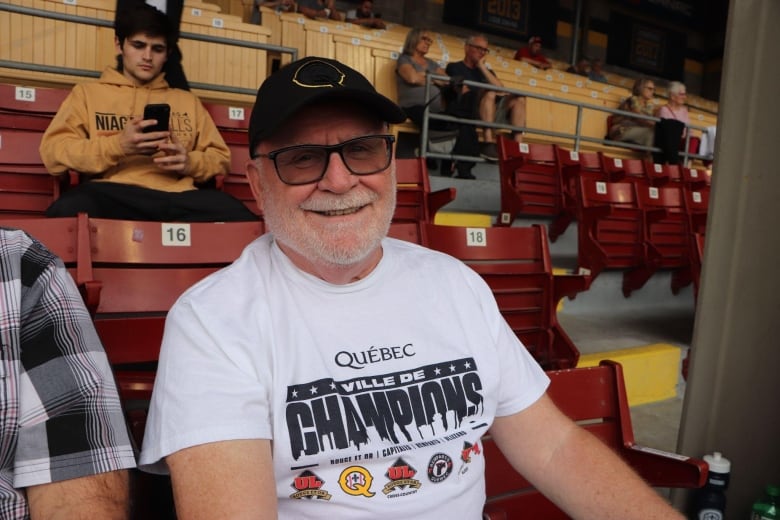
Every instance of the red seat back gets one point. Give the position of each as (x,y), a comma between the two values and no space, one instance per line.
(530,183)
(143,267)
(415,202)
(29,108)
(515,263)
(610,231)
(26,187)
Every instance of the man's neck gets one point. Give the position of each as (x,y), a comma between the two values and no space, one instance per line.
(336,274)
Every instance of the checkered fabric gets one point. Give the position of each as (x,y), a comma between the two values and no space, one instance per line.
(60,415)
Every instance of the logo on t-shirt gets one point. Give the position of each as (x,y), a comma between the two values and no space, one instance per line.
(466,453)
(439,468)
(468,450)
(356,481)
(402,481)
(414,405)
(309,486)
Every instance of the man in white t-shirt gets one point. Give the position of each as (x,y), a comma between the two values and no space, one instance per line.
(334,372)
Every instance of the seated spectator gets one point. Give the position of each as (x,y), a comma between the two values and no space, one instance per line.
(632,129)
(365,16)
(675,108)
(597,72)
(671,137)
(133,174)
(174,72)
(411,70)
(66,449)
(533,54)
(280,6)
(319,9)
(487,105)
(269,402)
(582,67)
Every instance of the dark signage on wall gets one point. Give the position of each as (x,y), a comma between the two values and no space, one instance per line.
(679,9)
(638,45)
(648,49)
(506,16)
(516,19)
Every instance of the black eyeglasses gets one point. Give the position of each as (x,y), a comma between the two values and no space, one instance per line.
(480,49)
(427,40)
(307,163)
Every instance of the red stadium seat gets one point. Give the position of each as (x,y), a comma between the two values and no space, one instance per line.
(29,108)
(26,187)
(231,120)
(572,165)
(610,226)
(696,208)
(667,244)
(596,398)
(697,202)
(626,169)
(515,263)
(408,231)
(415,202)
(696,179)
(663,174)
(66,237)
(235,182)
(141,268)
(530,184)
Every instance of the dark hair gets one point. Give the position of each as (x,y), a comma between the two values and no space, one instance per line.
(140,17)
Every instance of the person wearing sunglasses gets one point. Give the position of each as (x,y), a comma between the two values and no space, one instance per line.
(333,372)
(411,70)
(481,103)
(633,129)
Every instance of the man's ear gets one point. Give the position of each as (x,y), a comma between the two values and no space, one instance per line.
(253,175)
(117,45)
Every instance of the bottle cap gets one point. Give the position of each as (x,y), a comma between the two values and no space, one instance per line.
(718,463)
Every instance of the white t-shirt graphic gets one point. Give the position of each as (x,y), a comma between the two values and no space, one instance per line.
(375,393)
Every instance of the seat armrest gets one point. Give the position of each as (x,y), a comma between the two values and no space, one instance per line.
(665,469)
(439,199)
(569,285)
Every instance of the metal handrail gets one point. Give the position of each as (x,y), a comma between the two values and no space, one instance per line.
(86,20)
(576,137)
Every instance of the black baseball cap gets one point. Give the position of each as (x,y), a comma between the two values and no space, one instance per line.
(305,81)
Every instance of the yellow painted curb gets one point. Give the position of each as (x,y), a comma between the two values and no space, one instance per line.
(559,270)
(651,371)
(444,218)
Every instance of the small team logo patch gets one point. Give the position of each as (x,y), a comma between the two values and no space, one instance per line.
(356,481)
(469,450)
(402,481)
(439,468)
(308,485)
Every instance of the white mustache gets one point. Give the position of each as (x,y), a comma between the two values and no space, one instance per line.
(347,202)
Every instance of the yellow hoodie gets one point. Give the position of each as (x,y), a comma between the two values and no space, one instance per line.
(84,135)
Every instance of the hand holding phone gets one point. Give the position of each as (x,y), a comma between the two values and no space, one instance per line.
(161,112)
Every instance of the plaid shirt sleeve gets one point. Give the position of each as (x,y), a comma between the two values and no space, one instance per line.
(61,414)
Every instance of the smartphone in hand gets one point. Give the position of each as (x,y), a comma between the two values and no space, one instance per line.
(159,111)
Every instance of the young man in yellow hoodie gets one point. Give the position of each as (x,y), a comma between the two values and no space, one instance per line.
(129,173)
